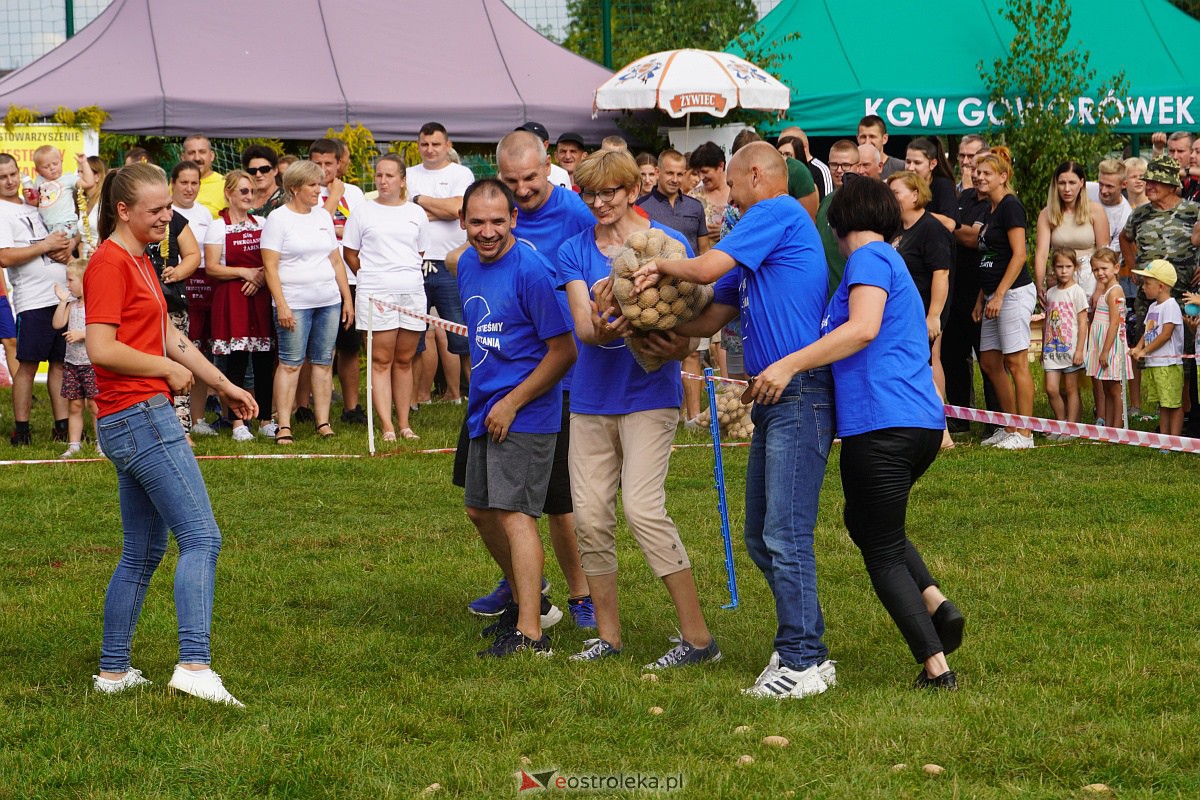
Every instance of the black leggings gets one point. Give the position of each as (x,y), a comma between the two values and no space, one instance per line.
(264,377)
(878,470)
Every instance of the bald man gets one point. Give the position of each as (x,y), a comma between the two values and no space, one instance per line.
(870,162)
(771,270)
(822,176)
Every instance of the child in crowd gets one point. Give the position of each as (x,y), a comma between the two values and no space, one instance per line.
(1107,355)
(1162,346)
(54,192)
(1063,338)
(79,380)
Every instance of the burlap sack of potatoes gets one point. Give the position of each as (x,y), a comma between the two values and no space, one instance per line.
(659,307)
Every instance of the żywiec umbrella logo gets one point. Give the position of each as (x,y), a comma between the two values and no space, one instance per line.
(745,72)
(644,71)
(697,101)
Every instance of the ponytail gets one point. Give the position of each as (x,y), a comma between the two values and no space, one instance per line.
(121,186)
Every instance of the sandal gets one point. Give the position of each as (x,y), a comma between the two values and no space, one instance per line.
(329,432)
(390,436)
(283,438)
(407,433)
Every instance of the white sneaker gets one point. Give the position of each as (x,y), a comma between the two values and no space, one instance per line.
(71,451)
(131,680)
(996,438)
(1016,442)
(242,433)
(268,429)
(780,682)
(204,684)
(202,428)
(100,452)
(827,668)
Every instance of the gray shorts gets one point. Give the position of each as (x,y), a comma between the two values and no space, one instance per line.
(512,475)
(1009,332)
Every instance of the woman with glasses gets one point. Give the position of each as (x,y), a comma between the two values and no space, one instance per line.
(241,309)
(622,425)
(307,279)
(262,165)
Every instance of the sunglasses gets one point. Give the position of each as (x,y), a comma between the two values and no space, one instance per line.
(245,191)
(259,170)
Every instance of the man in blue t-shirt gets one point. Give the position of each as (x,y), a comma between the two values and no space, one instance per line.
(520,346)
(547,215)
(770,268)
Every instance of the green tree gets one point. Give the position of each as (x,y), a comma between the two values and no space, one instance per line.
(1045,74)
(640,27)
(1191,7)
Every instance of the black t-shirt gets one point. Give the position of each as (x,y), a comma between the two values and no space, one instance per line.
(994,249)
(971,209)
(174,292)
(926,247)
(945,200)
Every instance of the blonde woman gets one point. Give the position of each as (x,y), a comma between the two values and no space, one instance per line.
(1070,221)
(307,279)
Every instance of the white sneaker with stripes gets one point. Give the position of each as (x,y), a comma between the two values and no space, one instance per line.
(780,682)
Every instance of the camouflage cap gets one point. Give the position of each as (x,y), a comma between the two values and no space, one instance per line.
(1163,169)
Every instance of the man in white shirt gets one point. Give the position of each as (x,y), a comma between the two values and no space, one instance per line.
(558,175)
(437,185)
(34,258)
(340,199)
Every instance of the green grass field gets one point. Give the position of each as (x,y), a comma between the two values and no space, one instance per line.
(340,621)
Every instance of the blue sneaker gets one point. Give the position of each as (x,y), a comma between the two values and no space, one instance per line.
(492,605)
(513,641)
(686,654)
(582,612)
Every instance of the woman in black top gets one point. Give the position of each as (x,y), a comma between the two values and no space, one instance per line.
(927,248)
(927,158)
(1006,297)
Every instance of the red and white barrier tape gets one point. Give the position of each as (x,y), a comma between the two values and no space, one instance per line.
(1078,429)
(437,322)
(694,377)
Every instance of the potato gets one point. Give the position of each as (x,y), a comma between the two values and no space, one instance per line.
(638,241)
(742,729)
(622,287)
(656,710)
(632,311)
(933,769)
(648,317)
(745,761)
(775,741)
(685,288)
(662,307)
(652,677)
(654,246)
(648,298)
(667,292)
(667,321)
(679,307)
(626,261)
(899,767)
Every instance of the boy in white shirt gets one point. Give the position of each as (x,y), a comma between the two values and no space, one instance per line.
(54,193)
(1162,346)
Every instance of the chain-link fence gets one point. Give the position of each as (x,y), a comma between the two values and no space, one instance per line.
(31,28)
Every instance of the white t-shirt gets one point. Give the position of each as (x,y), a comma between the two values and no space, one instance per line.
(1117,215)
(216,230)
(304,243)
(56,200)
(1158,315)
(451,180)
(352,198)
(389,241)
(559,176)
(198,220)
(32,282)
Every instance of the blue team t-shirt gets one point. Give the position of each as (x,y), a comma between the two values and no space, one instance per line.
(607,379)
(510,310)
(889,383)
(562,216)
(779,283)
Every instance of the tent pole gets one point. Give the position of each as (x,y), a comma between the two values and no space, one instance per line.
(606,31)
(69,12)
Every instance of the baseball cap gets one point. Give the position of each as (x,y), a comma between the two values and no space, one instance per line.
(537,129)
(571,136)
(1163,169)
(1159,269)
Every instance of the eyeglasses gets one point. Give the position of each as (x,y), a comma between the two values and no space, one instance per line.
(245,190)
(605,195)
(259,170)
(835,166)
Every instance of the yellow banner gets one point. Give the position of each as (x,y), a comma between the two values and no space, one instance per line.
(22,140)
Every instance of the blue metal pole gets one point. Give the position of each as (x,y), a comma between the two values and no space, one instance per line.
(714,427)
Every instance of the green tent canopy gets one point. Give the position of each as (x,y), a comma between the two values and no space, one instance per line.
(917,65)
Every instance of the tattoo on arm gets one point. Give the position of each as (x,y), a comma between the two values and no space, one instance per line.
(182,346)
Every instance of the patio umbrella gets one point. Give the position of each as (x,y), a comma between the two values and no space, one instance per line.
(682,82)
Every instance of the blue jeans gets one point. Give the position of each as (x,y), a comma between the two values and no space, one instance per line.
(441,292)
(783,484)
(161,488)
(313,337)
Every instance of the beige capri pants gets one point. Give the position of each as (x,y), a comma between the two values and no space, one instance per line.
(630,451)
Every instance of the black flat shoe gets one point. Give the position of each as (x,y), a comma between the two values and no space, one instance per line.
(947,681)
(948,621)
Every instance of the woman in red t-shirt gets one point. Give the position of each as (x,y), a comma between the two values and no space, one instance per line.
(140,359)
